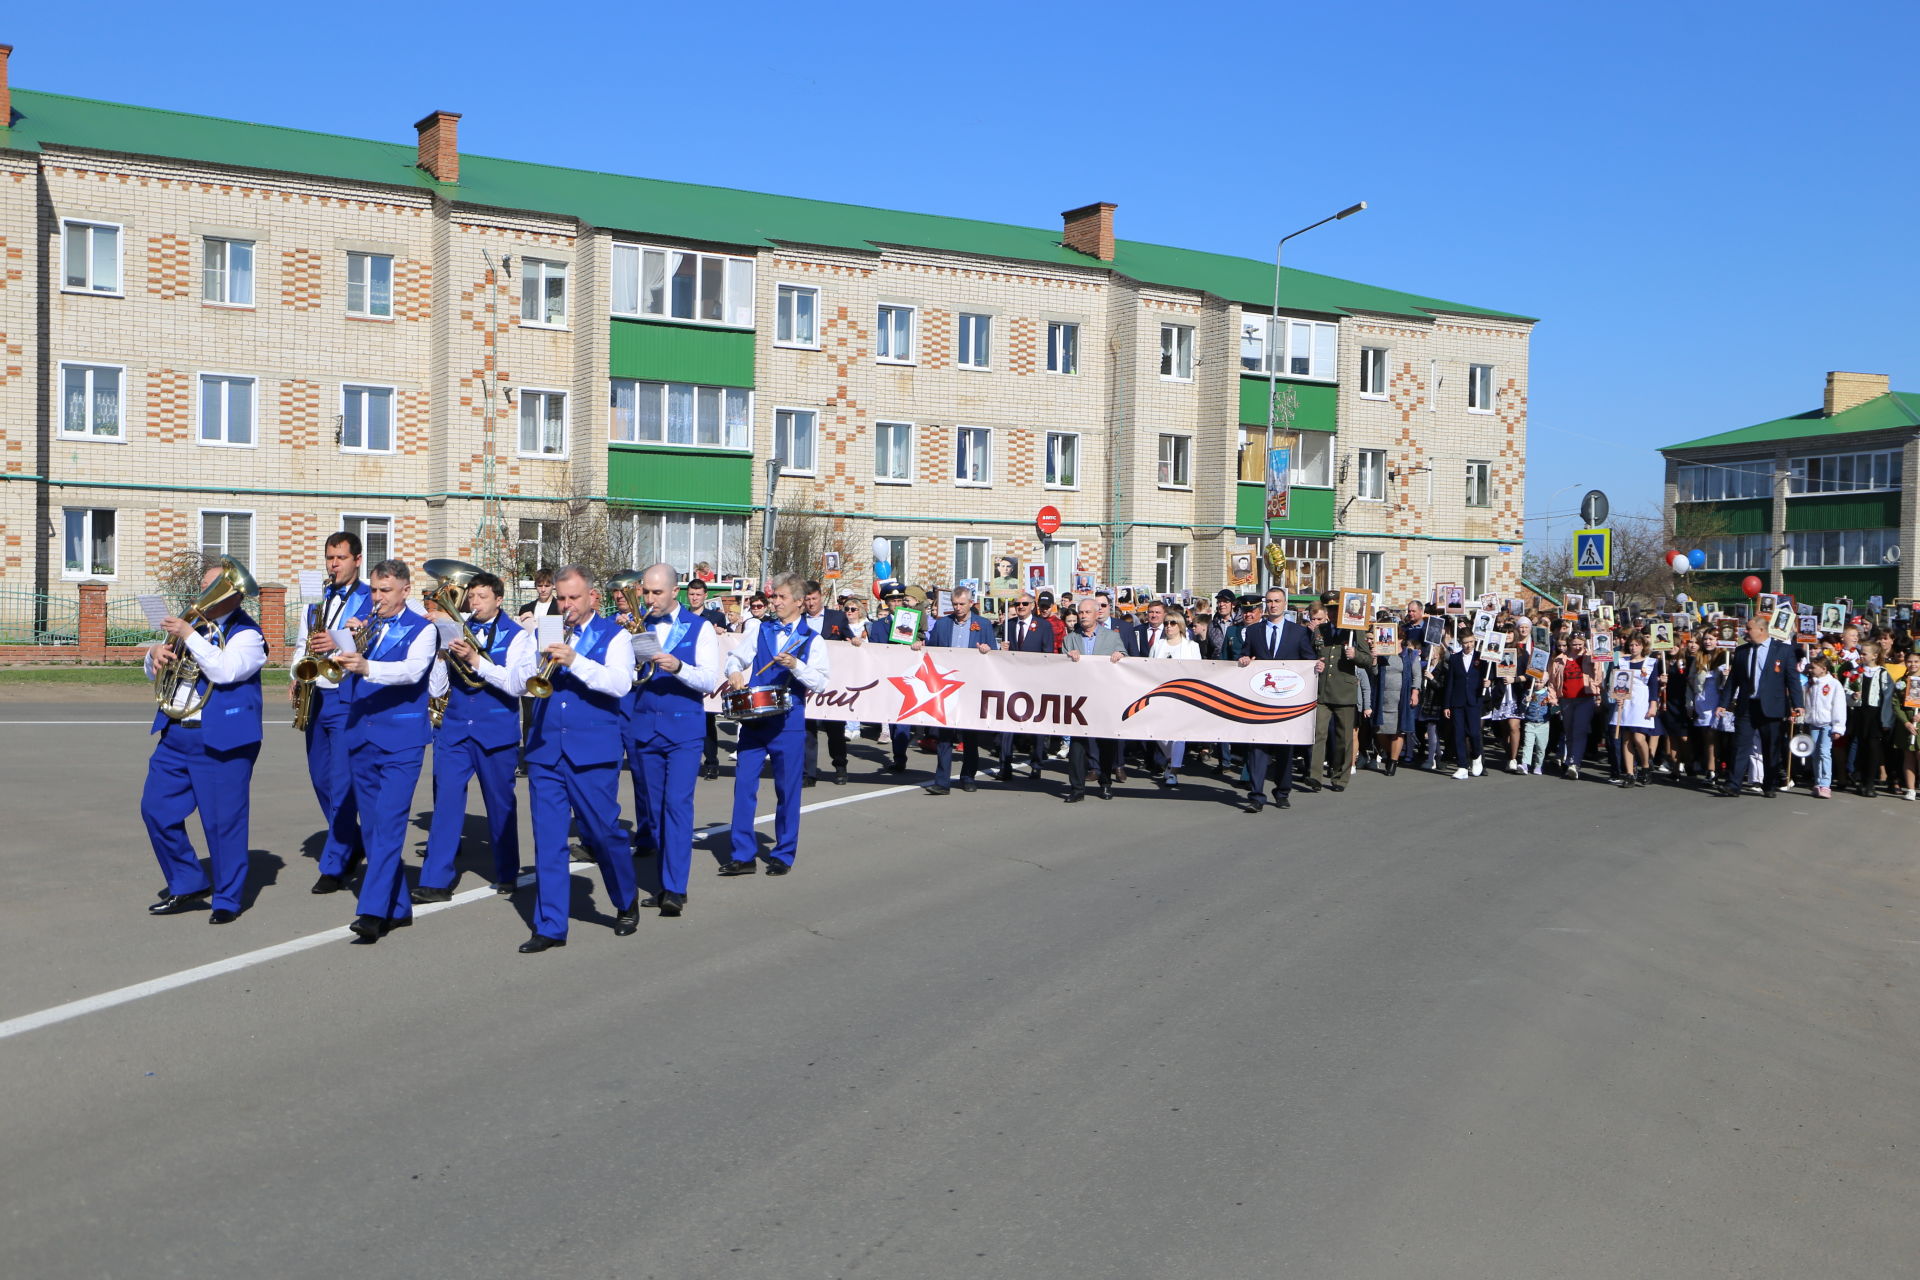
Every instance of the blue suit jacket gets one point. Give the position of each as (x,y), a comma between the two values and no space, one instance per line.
(1296,643)
(1039,637)
(1779,689)
(1464,689)
(941,635)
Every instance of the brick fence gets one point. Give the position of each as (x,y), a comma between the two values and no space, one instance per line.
(93,647)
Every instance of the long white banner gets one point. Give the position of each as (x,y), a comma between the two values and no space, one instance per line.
(1171,700)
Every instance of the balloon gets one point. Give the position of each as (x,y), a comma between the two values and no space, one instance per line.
(1682,596)
(1680,566)
(1697,558)
(882,569)
(1752,586)
(1675,555)
(877,588)
(880,548)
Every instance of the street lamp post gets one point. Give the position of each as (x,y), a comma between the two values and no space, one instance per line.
(774,465)
(1273,384)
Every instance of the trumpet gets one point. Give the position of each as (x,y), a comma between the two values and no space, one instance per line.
(233,581)
(540,685)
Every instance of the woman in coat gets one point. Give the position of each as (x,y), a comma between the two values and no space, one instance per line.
(1396,699)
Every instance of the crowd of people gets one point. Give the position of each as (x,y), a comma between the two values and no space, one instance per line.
(582,687)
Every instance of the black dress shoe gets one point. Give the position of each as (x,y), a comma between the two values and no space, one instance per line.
(1251,806)
(1120,774)
(1282,802)
(540,942)
(328,884)
(504,888)
(172,904)
(221,915)
(839,777)
(399,922)
(1336,786)
(738,868)
(1307,784)
(897,767)
(967,784)
(672,904)
(368,928)
(1106,792)
(425,894)
(810,782)
(936,791)
(627,923)
(775,868)
(1075,797)
(1770,793)
(710,771)
(1390,768)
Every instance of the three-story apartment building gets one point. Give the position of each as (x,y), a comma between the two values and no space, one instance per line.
(241,337)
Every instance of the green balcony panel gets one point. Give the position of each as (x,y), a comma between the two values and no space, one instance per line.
(1845,511)
(1708,519)
(1319,403)
(679,479)
(681,353)
(1310,511)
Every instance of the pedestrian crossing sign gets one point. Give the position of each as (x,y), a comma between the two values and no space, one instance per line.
(1593,553)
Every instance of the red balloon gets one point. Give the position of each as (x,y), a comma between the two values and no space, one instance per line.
(876,589)
(1752,586)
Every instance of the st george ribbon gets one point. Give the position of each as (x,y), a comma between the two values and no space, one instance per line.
(1170,700)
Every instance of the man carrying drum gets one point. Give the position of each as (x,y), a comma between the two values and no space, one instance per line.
(777,663)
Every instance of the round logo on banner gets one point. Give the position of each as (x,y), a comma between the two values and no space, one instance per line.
(1277,685)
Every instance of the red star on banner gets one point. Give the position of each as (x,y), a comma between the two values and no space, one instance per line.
(937,684)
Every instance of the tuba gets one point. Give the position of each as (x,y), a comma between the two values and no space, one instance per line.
(454,577)
(233,583)
(626,587)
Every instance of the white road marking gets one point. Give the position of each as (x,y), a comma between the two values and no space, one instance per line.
(246,960)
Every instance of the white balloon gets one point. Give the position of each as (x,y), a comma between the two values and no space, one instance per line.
(880,548)
(1681,568)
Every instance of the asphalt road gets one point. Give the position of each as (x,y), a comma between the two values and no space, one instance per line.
(1516,1027)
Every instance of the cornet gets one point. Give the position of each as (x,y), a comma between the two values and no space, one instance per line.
(541,684)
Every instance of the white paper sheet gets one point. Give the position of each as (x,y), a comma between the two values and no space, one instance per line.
(154,609)
(449,630)
(646,647)
(342,638)
(549,630)
(313,584)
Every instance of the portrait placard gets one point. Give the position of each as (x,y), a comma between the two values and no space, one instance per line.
(1660,637)
(1602,643)
(1356,610)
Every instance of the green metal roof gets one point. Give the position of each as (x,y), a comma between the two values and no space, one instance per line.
(1893,410)
(677,210)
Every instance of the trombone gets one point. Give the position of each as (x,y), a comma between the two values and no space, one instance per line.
(450,597)
(540,685)
(233,582)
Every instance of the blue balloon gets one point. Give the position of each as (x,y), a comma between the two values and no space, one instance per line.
(883,568)
(1697,558)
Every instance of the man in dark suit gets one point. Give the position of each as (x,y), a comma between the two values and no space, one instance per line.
(828,624)
(716,619)
(961,629)
(1467,676)
(1762,689)
(1086,642)
(1139,636)
(1024,633)
(1275,639)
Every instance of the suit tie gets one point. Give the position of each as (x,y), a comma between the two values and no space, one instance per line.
(1273,638)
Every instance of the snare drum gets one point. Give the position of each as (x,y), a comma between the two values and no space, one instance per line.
(756,703)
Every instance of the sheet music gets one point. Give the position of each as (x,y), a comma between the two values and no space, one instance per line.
(154,609)
(313,584)
(342,639)
(646,647)
(549,630)
(449,630)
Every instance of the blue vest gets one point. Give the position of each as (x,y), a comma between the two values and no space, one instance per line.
(775,676)
(577,723)
(664,707)
(392,717)
(486,715)
(231,717)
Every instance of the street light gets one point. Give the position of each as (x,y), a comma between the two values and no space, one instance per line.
(774,466)
(1273,382)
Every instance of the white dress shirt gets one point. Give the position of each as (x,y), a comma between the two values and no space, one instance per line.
(483,666)
(420,654)
(702,675)
(613,677)
(813,672)
(243,656)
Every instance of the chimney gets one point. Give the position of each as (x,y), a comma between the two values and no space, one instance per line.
(6,94)
(1090,230)
(440,145)
(1851,390)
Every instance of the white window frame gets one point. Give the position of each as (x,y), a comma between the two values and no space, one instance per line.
(1062,551)
(986,472)
(1071,440)
(520,397)
(1485,477)
(199,410)
(252,532)
(897,549)
(1169,568)
(356,522)
(86,541)
(1180,461)
(1480,390)
(92,367)
(547,269)
(782,291)
(913,332)
(1176,359)
(664,393)
(224,272)
(1373,373)
(631,523)
(1712,482)
(1370,463)
(977,326)
(1797,468)
(1322,475)
(366,312)
(1851,548)
(986,560)
(1473,575)
(632,255)
(89,225)
(813,463)
(1369,569)
(1322,339)
(907,428)
(393,418)
(1063,347)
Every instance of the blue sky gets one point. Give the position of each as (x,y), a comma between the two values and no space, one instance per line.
(1709,206)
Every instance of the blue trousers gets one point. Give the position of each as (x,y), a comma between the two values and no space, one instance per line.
(564,792)
(383,783)
(332,779)
(761,741)
(665,774)
(453,766)
(943,740)
(184,775)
